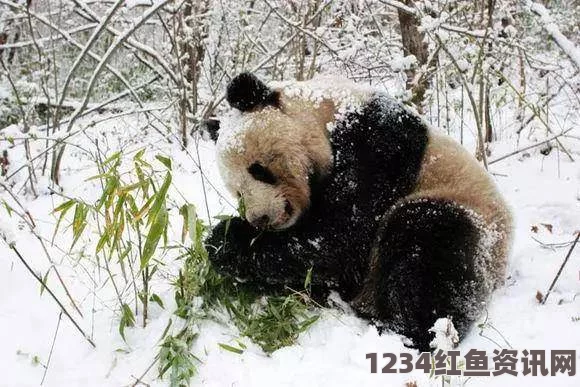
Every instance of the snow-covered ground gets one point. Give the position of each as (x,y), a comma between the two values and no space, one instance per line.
(544,192)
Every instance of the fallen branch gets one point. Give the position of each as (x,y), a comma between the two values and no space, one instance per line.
(529,147)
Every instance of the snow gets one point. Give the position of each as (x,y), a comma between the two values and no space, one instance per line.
(232,127)
(344,92)
(446,337)
(7,233)
(135,3)
(403,63)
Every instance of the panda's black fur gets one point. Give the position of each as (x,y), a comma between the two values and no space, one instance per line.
(422,249)
(246,92)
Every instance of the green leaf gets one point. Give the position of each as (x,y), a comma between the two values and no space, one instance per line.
(159,199)
(127,319)
(79,221)
(124,253)
(242,207)
(139,154)
(114,157)
(192,222)
(164,160)
(64,206)
(183,213)
(108,192)
(99,176)
(155,232)
(155,298)
(63,209)
(231,349)
(8,208)
(308,279)
(102,240)
(143,209)
(304,325)
(130,187)
(44,281)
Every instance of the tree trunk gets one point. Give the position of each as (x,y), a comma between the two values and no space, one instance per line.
(413,44)
(194,31)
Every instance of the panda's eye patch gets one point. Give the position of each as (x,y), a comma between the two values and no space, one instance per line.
(261,173)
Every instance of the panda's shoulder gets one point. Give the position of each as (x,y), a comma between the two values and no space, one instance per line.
(381,114)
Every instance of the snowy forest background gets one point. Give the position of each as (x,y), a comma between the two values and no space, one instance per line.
(108,184)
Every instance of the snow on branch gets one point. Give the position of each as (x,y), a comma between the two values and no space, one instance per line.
(550,26)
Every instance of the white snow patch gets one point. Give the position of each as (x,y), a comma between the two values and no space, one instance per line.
(403,63)
(446,337)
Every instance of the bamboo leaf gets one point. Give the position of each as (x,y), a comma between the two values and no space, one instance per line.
(113,157)
(304,325)
(155,298)
(308,279)
(63,209)
(231,349)
(127,319)
(164,160)
(44,281)
(155,232)
(159,199)
(64,206)
(79,221)
(144,209)
(127,188)
(139,154)
(102,240)
(183,213)
(8,208)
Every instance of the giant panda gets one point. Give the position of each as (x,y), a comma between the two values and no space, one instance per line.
(347,182)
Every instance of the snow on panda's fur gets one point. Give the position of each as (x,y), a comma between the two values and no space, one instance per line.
(402,222)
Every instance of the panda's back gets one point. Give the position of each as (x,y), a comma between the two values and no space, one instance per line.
(450,172)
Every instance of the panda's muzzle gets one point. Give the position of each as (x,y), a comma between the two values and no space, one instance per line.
(261,222)
(264,222)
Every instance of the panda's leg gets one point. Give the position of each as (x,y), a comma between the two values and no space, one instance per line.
(427,265)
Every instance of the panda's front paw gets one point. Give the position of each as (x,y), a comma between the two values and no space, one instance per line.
(228,247)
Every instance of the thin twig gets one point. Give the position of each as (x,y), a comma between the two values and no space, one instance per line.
(96,33)
(12,246)
(27,217)
(139,380)
(561,267)
(529,147)
(51,348)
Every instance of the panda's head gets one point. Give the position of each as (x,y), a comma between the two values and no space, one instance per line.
(271,147)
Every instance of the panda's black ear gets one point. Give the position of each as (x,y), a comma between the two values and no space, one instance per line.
(246,92)
(211,127)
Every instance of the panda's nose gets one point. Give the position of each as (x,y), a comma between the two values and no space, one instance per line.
(260,222)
